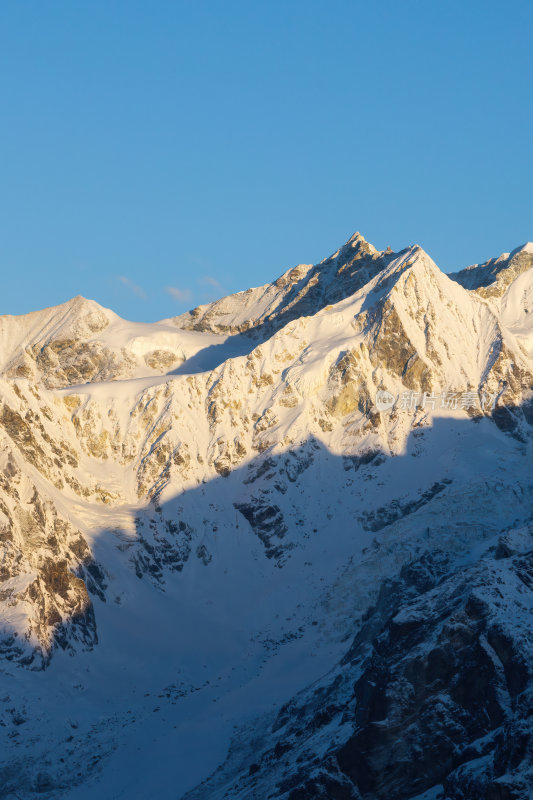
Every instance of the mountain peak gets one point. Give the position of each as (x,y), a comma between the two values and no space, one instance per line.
(492,278)
(358,242)
(356,237)
(524,248)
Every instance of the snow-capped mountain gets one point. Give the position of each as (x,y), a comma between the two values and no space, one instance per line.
(279,546)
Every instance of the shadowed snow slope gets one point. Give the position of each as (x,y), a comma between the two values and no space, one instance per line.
(229,572)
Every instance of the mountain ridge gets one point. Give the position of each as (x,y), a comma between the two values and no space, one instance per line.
(203,518)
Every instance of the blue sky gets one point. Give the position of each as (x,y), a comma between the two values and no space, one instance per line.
(154,155)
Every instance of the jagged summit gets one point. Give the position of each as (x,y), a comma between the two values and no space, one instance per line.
(356,242)
(492,277)
(299,292)
(525,248)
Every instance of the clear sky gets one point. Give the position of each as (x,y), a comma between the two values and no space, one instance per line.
(155,154)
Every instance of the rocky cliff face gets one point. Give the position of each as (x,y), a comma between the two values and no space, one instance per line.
(432,699)
(202,513)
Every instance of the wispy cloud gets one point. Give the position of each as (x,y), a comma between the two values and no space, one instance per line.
(208,280)
(180,295)
(137,290)
(213,289)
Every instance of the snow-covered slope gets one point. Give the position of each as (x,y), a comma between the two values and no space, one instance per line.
(507,284)
(81,342)
(213,527)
